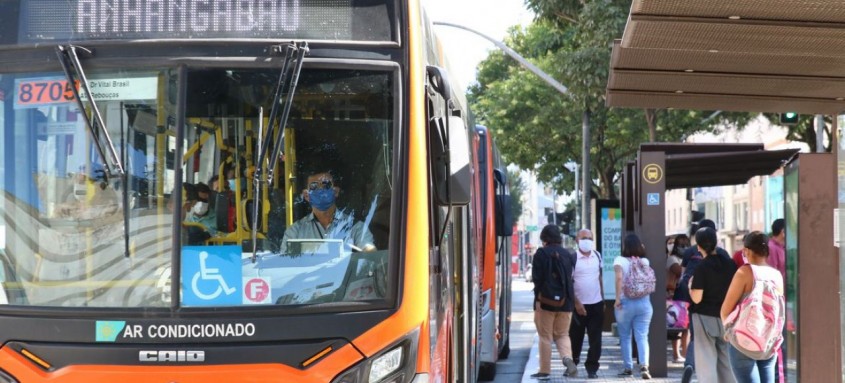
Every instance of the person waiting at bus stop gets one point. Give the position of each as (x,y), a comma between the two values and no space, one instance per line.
(326,221)
(554,300)
(589,303)
(708,287)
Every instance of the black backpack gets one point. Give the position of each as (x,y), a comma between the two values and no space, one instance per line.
(553,292)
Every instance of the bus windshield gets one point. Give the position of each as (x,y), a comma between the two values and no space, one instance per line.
(70,235)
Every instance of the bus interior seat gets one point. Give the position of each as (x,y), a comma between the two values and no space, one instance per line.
(224,211)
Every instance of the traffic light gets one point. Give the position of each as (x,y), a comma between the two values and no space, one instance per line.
(788,118)
(565,221)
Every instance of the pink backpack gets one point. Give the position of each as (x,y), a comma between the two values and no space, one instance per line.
(640,279)
(755,325)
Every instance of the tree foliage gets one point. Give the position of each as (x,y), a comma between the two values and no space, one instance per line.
(539,128)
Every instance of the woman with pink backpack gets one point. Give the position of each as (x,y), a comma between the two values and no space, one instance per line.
(753,313)
(635,281)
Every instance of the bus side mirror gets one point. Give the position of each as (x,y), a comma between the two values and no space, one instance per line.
(450,163)
(439,81)
(460,178)
(503,205)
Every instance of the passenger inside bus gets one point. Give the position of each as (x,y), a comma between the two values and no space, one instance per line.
(200,220)
(326,221)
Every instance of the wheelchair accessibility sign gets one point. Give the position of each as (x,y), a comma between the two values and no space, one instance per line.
(211,276)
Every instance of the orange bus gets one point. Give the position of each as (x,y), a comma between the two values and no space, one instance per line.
(234,191)
(494,230)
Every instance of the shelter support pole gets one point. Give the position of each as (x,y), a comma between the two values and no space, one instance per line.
(839,225)
(812,269)
(651,228)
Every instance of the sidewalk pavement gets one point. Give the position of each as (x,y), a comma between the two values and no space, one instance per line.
(611,364)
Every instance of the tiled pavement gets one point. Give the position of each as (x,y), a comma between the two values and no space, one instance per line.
(611,364)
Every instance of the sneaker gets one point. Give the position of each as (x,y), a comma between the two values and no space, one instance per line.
(687,377)
(571,369)
(540,376)
(626,372)
(592,375)
(679,359)
(645,373)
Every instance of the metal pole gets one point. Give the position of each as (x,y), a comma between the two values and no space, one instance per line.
(577,201)
(510,52)
(585,161)
(819,133)
(585,171)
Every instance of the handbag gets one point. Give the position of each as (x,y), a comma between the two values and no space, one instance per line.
(677,314)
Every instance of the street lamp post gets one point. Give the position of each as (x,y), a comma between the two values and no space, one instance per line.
(585,153)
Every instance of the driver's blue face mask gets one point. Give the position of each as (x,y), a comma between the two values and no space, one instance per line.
(321,199)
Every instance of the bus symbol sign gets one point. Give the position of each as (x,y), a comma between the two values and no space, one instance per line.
(652,173)
(257,291)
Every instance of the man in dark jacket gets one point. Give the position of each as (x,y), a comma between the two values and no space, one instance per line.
(552,275)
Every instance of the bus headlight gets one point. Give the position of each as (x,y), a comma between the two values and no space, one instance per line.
(6,378)
(386,364)
(396,365)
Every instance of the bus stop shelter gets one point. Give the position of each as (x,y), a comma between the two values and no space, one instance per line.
(661,167)
(740,55)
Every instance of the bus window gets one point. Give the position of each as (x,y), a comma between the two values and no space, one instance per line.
(84,237)
(320,215)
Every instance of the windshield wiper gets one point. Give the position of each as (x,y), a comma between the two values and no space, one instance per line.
(268,144)
(97,128)
(70,60)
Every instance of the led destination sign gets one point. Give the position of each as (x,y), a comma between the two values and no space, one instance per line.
(110,17)
(81,20)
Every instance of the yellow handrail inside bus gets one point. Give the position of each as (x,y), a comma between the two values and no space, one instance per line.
(290,174)
(196,146)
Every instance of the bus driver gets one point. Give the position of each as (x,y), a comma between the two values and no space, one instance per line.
(326,221)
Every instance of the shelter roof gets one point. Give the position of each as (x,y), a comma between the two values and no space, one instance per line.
(734,55)
(700,165)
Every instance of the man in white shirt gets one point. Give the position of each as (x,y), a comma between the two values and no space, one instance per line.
(589,303)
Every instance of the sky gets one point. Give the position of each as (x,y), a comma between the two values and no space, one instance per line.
(490,17)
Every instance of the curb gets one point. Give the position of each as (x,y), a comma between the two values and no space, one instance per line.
(533,363)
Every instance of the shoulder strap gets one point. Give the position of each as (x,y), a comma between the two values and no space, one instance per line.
(601,261)
(753,276)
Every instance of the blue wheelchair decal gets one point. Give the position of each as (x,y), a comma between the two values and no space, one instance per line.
(211,275)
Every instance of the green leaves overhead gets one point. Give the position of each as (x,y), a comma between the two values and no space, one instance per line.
(539,128)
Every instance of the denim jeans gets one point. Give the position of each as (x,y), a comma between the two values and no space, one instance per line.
(634,317)
(747,370)
(690,347)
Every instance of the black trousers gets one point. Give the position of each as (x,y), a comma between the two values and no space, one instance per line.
(591,324)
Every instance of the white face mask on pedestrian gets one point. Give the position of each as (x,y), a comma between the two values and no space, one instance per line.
(585,245)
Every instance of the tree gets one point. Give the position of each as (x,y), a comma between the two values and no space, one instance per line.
(515,188)
(538,128)
(805,130)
